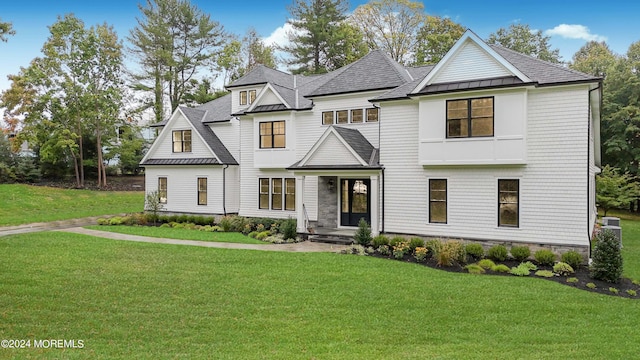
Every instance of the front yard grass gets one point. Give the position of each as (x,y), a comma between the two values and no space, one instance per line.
(182,234)
(139,300)
(24,204)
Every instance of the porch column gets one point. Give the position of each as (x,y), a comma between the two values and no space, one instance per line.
(375,195)
(300,218)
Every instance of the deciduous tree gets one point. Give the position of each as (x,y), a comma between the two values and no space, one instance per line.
(435,38)
(521,38)
(6,28)
(593,58)
(615,190)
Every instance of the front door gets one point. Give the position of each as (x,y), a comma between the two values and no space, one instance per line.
(354,201)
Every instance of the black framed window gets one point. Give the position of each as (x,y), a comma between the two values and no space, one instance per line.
(372,115)
(470,117)
(202,191)
(181,141)
(272,134)
(438,201)
(252,96)
(162,190)
(276,194)
(290,194)
(243,98)
(263,193)
(508,202)
(327,118)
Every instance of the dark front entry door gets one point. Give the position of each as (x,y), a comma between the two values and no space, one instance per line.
(354,201)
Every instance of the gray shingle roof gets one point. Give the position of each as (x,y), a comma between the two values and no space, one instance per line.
(262,75)
(195,117)
(375,70)
(188,161)
(218,110)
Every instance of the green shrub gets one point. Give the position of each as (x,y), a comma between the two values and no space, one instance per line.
(165,225)
(475,269)
(501,268)
(544,273)
(434,246)
(563,269)
(288,229)
(531,266)
(475,250)
(363,234)
(225,223)
(497,253)
(572,280)
(189,226)
(591,285)
(420,253)
(116,220)
(370,250)
(216,228)
(635,282)
(262,235)
(379,241)
(486,264)
(545,257)
(176,225)
(182,218)
(632,292)
(253,234)
(520,253)
(103,221)
(607,258)
(384,250)
(400,249)
(520,270)
(394,240)
(613,290)
(238,223)
(414,243)
(451,251)
(572,258)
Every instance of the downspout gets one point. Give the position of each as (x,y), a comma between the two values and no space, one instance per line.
(382,211)
(224,189)
(599,87)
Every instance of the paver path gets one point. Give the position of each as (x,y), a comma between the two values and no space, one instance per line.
(75,226)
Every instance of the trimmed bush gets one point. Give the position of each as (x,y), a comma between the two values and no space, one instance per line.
(288,229)
(394,240)
(384,250)
(414,243)
(520,270)
(363,234)
(475,250)
(103,221)
(607,258)
(262,235)
(501,268)
(379,241)
(544,273)
(563,269)
(531,266)
(474,269)
(434,246)
(486,264)
(545,257)
(520,253)
(253,234)
(572,258)
(116,220)
(497,253)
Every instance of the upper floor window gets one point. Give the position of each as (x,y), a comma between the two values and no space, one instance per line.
(372,115)
(182,141)
(470,117)
(243,98)
(252,96)
(272,134)
(508,202)
(342,117)
(357,115)
(353,116)
(327,118)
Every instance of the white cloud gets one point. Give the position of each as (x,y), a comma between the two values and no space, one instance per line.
(574,32)
(279,36)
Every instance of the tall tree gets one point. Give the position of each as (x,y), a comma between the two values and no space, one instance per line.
(435,38)
(202,92)
(520,38)
(256,52)
(230,61)
(173,41)
(391,25)
(593,58)
(318,33)
(6,28)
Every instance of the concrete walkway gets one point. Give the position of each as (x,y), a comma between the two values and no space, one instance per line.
(76,226)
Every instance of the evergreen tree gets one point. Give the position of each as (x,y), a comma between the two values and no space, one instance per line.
(6,28)
(520,38)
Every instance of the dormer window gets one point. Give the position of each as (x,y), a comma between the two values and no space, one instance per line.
(182,141)
(252,96)
(470,118)
(243,98)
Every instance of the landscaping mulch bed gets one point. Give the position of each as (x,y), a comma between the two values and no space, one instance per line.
(582,274)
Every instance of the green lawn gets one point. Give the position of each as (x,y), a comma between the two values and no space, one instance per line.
(182,234)
(24,204)
(631,248)
(152,301)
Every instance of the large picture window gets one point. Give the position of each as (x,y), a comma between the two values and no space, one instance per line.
(508,203)
(202,191)
(438,201)
(162,190)
(181,141)
(272,134)
(277,194)
(470,118)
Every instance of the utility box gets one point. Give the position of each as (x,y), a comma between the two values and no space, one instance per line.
(610,221)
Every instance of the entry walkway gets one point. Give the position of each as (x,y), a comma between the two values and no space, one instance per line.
(75,226)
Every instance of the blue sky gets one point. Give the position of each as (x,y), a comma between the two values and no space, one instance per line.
(570,23)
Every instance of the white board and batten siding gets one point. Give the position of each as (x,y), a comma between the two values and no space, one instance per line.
(182,188)
(250,175)
(471,62)
(553,183)
(164,144)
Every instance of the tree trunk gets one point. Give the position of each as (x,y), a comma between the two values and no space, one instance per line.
(158,95)
(100,162)
(81,156)
(75,167)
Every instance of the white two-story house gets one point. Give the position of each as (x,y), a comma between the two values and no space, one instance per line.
(487,145)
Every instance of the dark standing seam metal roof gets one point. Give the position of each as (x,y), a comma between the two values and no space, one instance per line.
(187,161)
(358,143)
